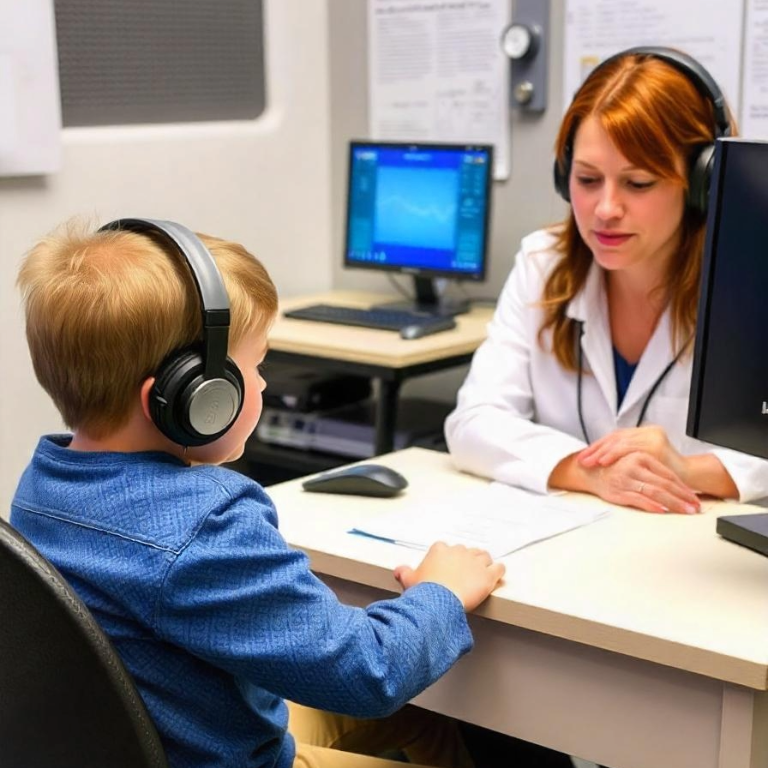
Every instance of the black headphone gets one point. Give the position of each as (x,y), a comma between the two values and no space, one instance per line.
(700,170)
(198,391)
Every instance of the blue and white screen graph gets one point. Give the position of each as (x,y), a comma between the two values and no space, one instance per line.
(418,208)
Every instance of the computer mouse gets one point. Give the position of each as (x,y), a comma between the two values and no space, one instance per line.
(418,330)
(359,480)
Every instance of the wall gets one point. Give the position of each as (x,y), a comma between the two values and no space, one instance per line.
(265,183)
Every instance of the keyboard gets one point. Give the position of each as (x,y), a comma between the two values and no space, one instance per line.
(383,319)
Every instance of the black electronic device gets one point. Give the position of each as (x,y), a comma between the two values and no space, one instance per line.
(301,389)
(701,163)
(198,391)
(748,530)
(358,480)
(729,385)
(350,430)
(380,318)
(422,209)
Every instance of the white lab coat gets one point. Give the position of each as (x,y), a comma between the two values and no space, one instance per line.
(516,417)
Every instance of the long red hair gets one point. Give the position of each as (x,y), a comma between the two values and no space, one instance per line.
(654,115)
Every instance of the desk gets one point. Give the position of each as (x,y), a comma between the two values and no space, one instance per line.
(380,355)
(640,641)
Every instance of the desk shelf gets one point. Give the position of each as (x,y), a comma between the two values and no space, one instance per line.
(271,464)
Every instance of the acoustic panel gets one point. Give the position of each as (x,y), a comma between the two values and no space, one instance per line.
(160,61)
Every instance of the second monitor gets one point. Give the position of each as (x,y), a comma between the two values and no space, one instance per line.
(421,209)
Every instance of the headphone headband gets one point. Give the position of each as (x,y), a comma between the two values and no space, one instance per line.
(214,300)
(705,84)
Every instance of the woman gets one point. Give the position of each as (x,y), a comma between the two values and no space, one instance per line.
(583,382)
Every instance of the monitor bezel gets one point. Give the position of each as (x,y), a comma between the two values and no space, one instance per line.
(416,146)
(700,346)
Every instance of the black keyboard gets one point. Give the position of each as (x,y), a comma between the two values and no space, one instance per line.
(383,319)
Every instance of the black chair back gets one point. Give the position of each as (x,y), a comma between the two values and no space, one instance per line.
(66,700)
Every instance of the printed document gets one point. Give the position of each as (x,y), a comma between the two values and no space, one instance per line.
(498,518)
(437,73)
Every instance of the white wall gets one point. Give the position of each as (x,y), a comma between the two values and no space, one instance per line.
(265,183)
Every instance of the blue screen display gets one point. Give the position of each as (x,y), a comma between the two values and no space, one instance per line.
(418,208)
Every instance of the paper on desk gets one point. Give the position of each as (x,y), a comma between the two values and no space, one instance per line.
(498,518)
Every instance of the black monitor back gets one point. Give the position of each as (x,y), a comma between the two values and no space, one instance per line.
(729,388)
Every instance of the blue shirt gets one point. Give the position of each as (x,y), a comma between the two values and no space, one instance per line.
(624,373)
(214,615)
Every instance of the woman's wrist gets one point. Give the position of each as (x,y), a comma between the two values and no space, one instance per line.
(570,475)
(705,473)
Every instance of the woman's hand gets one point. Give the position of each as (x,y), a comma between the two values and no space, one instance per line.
(640,480)
(652,440)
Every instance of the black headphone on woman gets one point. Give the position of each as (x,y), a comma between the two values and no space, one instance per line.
(198,391)
(700,169)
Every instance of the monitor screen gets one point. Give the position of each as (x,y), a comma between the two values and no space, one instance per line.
(729,387)
(419,208)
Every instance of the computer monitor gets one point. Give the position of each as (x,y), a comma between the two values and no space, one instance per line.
(421,209)
(729,386)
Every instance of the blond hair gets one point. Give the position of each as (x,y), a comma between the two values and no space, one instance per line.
(104,309)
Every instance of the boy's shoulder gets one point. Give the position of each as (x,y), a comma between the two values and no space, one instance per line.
(150,498)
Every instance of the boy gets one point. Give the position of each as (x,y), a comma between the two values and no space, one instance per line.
(180,560)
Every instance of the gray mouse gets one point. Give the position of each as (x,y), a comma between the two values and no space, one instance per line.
(417,330)
(358,480)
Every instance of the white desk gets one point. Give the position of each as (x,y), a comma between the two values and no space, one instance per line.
(640,641)
(381,355)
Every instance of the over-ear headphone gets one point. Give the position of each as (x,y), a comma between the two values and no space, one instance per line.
(198,391)
(700,168)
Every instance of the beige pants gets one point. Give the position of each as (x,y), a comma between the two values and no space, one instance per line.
(325,740)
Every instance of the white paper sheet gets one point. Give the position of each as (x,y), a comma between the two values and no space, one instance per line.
(754,110)
(437,73)
(30,117)
(708,30)
(498,518)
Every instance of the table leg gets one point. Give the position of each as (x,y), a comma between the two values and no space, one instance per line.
(386,416)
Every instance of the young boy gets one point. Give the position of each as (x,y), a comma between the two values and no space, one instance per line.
(181,561)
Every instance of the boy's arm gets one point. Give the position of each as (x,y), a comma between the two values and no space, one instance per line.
(239,597)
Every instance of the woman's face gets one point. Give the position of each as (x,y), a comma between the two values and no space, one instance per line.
(629,218)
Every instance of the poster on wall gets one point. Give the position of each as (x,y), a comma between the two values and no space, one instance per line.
(437,73)
(30,116)
(708,30)
(754,109)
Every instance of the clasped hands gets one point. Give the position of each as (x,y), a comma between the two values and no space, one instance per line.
(639,467)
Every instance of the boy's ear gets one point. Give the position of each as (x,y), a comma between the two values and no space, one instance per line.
(146,389)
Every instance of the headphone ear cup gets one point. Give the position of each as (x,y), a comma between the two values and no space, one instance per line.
(562,178)
(189,409)
(699,176)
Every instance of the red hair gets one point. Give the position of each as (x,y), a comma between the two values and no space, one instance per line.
(655,116)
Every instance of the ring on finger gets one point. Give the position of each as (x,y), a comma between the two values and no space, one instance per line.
(640,487)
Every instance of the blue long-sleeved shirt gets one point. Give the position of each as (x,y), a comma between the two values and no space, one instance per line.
(214,615)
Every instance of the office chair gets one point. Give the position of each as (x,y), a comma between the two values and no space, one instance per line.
(66,701)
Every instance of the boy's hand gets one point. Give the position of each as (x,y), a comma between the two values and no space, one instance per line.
(470,574)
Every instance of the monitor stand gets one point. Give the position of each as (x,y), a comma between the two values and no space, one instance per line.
(428,301)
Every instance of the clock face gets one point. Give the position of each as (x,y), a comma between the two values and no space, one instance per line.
(517,41)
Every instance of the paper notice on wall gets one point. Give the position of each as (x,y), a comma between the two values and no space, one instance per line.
(437,73)
(754,110)
(30,115)
(708,30)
